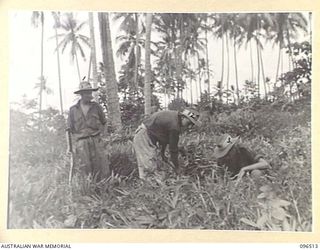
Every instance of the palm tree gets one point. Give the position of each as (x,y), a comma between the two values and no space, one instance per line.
(310,27)
(165,64)
(71,36)
(248,26)
(38,16)
(147,82)
(136,18)
(109,71)
(258,65)
(223,27)
(254,26)
(193,46)
(278,36)
(228,64)
(179,52)
(169,48)
(295,21)
(235,35)
(131,42)
(201,65)
(207,54)
(251,61)
(93,56)
(56,17)
(263,76)
(286,26)
(179,35)
(219,31)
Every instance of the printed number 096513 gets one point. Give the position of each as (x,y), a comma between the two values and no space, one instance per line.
(308,246)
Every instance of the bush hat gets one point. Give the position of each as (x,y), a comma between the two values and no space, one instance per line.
(85,86)
(223,145)
(192,115)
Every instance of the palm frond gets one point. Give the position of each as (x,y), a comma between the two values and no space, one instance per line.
(80,26)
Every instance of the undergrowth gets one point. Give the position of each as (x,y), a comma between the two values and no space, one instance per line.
(199,198)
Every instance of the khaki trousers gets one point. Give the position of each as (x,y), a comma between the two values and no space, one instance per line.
(146,152)
(91,159)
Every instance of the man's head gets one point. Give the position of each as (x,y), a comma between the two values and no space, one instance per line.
(224,144)
(189,117)
(86,96)
(85,90)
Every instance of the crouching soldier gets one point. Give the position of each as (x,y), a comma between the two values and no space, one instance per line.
(86,123)
(161,128)
(238,159)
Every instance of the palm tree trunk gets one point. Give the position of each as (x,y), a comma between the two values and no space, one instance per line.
(207,61)
(179,70)
(89,69)
(263,76)
(310,27)
(289,63)
(258,61)
(228,66)
(110,76)
(179,50)
(222,59)
(281,63)
(59,72)
(290,49)
(278,63)
(236,67)
(191,94)
(251,60)
(93,55)
(136,64)
(78,69)
(199,75)
(190,77)
(196,86)
(147,81)
(41,70)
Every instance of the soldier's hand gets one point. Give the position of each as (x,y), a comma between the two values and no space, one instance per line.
(240,175)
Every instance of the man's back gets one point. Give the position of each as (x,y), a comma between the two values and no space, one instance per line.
(161,124)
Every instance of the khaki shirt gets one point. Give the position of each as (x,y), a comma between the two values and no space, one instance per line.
(86,125)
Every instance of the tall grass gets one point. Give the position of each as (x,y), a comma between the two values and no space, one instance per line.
(40,196)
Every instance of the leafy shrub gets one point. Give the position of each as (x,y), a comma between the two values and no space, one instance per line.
(36,144)
(177,104)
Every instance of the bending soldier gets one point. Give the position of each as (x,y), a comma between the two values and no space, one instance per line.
(161,128)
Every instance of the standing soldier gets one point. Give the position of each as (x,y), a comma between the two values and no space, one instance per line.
(161,128)
(86,123)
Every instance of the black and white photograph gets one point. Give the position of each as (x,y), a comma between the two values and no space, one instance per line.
(159,120)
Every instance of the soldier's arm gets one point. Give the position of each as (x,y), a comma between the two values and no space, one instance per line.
(258,161)
(70,122)
(163,150)
(173,147)
(103,119)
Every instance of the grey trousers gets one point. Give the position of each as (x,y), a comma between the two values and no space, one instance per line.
(146,152)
